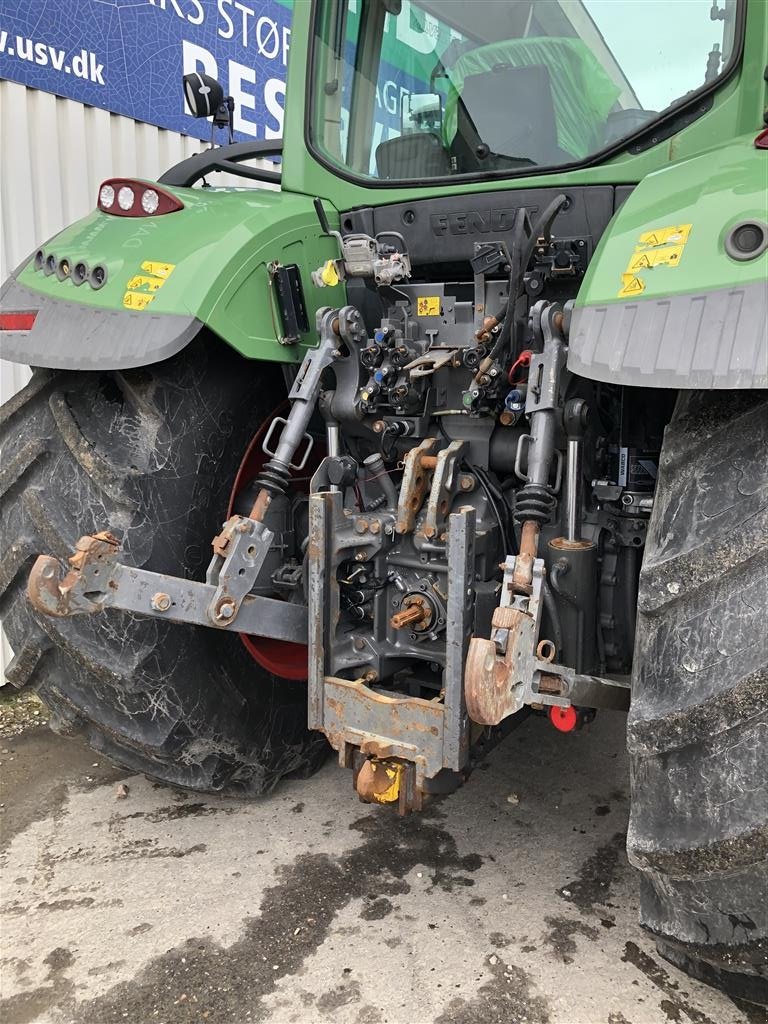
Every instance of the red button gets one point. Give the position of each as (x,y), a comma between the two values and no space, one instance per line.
(564,719)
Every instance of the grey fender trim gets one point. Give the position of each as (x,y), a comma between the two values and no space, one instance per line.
(72,336)
(705,340)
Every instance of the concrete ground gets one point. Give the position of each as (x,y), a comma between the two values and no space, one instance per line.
(510,901)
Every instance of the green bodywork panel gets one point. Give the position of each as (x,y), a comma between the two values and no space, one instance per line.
(220,246)
(704,197)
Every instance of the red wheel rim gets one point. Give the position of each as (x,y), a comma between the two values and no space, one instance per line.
(280,657)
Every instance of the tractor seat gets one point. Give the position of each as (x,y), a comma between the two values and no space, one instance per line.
(416,155)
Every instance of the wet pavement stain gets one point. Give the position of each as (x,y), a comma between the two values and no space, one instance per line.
(341,995)
(560,935)
(508,996)
(675,1001)
(376,909)
(294,919)
(597,875)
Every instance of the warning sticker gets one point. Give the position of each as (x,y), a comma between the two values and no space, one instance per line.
(631,286)
(428,305)
(137,300)
(158,269)
(143,287)
(150,284)
(662,247)
(669,255)
(677,234)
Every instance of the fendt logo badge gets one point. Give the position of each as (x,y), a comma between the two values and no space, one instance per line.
(475,222)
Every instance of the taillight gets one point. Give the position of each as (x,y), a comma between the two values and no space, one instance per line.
(17,321)
(761,142)
(126,198)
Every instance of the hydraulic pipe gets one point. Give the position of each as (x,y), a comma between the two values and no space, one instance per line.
(575,417)
(376,472)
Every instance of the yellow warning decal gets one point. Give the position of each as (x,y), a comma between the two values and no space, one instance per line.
(142,283)
(676,234)
(630,286)
(137,300)
(669,255)
(158,269)
(143,287)
(428,305)
(661,247)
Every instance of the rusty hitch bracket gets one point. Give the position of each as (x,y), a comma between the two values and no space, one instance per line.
(96,580)
(359,718)
(505,673)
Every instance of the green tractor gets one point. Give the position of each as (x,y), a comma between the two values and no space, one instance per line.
(472,409)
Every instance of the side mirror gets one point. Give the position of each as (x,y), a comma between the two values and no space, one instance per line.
(203,94)
(421,112)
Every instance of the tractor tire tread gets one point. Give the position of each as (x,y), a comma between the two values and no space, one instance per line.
(699,716)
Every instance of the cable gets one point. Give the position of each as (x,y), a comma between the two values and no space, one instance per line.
(498,493)
(489,489)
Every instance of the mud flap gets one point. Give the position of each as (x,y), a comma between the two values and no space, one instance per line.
(73,336)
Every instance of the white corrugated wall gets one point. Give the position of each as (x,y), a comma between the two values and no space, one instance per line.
(53,155)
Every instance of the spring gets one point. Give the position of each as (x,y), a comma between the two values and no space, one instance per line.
(274,477)
(534,501)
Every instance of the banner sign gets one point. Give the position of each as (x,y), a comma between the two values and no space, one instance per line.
(128,56)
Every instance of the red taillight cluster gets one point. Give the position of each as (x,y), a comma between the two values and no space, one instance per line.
(124,197)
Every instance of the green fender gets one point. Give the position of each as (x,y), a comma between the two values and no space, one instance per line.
(668,301)
(168,275)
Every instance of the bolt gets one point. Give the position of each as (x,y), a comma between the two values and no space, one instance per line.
(361,526)
(226,610)
(375,526)
(467,482)
(360,556)
(160,602)
(358,643)
(379,426)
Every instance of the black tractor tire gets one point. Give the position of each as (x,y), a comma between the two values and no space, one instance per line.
(150,454)
(698,725)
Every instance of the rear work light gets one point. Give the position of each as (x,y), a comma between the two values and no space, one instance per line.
(124,197)
(17,321)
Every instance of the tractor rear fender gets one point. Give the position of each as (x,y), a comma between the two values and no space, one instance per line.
(165,276)
(675,295)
